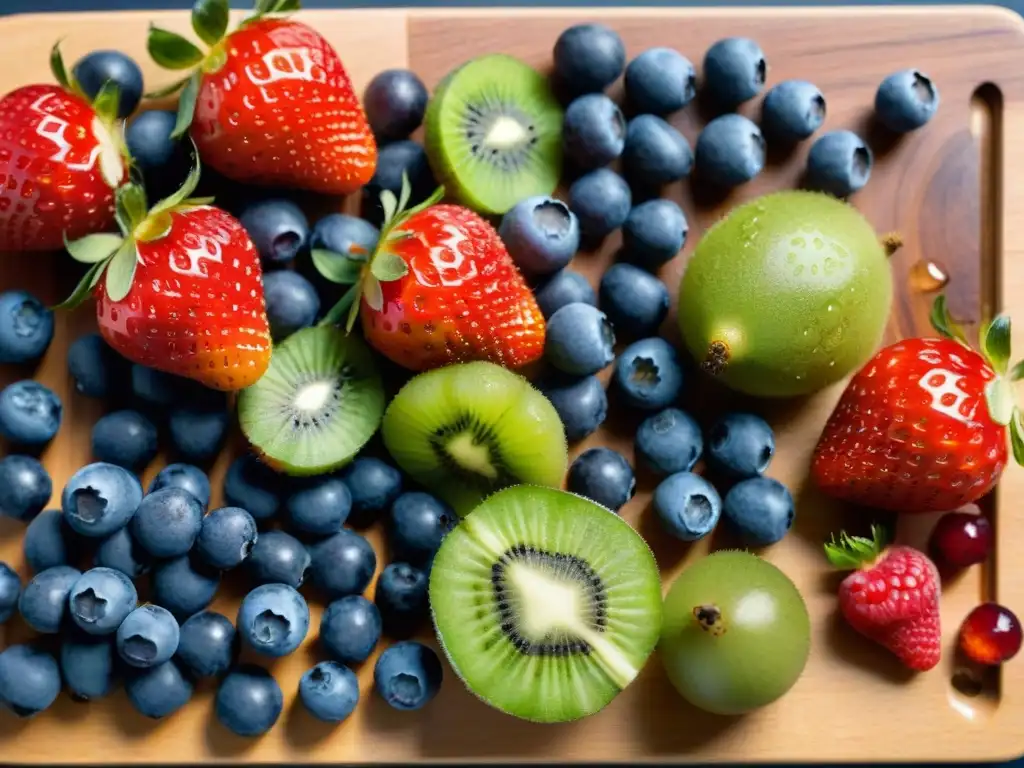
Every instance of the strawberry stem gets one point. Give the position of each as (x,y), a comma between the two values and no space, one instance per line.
(852,552)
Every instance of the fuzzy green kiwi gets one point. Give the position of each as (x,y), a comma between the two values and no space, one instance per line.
(468,430)
(494,133)
(546,604)
(317,405)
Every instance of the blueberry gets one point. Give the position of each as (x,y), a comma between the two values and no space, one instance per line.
(227,537)
(564,287)
(648,374)
(669,442)
(407,675)
(603,476)
(88,666)
(185,476)
(29,680)
(100,599)
(330,691)
(100,498)
(168,522)
(10,591)
(292,302)
(582,405)
(342,564)
(273,619)
(792,111)
(25,487)
(125,438)
(347,235)
(184,587)
(95,367)
(395,102)
(654,233)
(588,58)
(278,228)
(44,600)
(660,81)
(208,644)
(593,131)
(580,340)
(96,69)
(839,163)
(734,71)
(760,509)
(601,201)
(248,701)
(401,598)
(730,151)
(374,486)
(197,434)
(635,301)
(394,160)
(164,161)
(26,327)
(254,487)
(741,445)
(319,507)
(158,691)
(49,541)
(148,636)
(655,153)
(906,100)
(350,629)
(417,525)
(154,387)
(278,558)
(541,235)
(123,553)
(30,413)
(687,506)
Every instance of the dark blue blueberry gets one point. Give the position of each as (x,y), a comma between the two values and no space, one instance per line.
(344,234)
(10,591)
(320,506)
(183,586)
(208,644)
(839,163)
(660,81)
(601,201)
(30,413)
(123,553)
(603,476)
(593,131)
(148,636)
(330,691)
(292,302)
(395,102)
(26,327)
(580,340)
(164,161)
(248,701)
(649,374)
(350,629)
(254,487)
(906,100)
(278,558)
(25,487)
(407,675)
(100,498)
(541,235)
(342,564)
(227,537)
(656,153)
(635,301)
(49,541)
(792,111)
(374,486)
(734,71)
(185,476)
(654,233)
(741,445)
(29,680)
(43,603)
(158,691)
(273,619)
(156,388)
(278,228)
(88,666)
(687,505)
(564,287)
(669,442)
(582,405)
(401,598)
(417,525)
(96,69)
(394,160)
(198,433)
(730,151)
(588,58)
(125,438)
(100,599)
(760,509)
(97,370)
(167,522)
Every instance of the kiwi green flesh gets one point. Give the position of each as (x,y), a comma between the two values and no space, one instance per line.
(546,604)
(494,133)
(317,405)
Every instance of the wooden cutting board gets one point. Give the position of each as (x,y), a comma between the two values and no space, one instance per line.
(953,192)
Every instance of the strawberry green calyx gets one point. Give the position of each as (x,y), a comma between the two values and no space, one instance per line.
(849,553)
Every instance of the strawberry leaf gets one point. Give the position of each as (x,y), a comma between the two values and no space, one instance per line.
(995,344)
(60,72)
(265,7)
(84,287)
(183,194)
(337,267)
(353,310)
(372,293)
(121,271)
(93,249)
(851,552)
(210,20)
(131,206)
(339,310)
(387,267)
(1017,436)
(107,102)
(1000,400)
(1017,372)
(943,322)
(168,90)
(172,51)
(186,106)
(405,193)
(389,203)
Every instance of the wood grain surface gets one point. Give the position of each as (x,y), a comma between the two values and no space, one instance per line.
(952,190)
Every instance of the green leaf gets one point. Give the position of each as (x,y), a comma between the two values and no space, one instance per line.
(1017,372)
(337,267)
(210,20)
(131,206)
(84,287)
(995,343)
(373,294)
(387,267)
(168,90)
(353,311)
(405,193)
(60,72)
(172,51)
(1000,400)
(186,190)
(93,249)
(121,272)
(186,106)
(389,203)
(107,102)
(943,323)
(851,552)
(1017,437)
(339,310)
(264,7)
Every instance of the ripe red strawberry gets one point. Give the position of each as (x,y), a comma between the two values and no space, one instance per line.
(270,103)
(61,158)
(892,597)
(923,426)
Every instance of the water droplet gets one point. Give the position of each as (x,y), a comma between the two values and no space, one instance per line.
(830,308)
(928,276)
(831,363)
(798,242)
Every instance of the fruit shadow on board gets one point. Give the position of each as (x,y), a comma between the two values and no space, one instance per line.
(304,732)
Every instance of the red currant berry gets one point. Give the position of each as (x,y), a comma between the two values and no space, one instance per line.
(990,634)
(961,539)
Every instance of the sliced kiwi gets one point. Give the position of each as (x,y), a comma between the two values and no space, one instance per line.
(317,405)
(494,133)
(546,604)
(468,430)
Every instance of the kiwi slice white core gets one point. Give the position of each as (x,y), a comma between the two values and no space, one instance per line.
(471,455)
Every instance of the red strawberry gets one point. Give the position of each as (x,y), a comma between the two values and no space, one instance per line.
(440,288)
(270,103)
(922,427)
(892,597)
(61,157)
